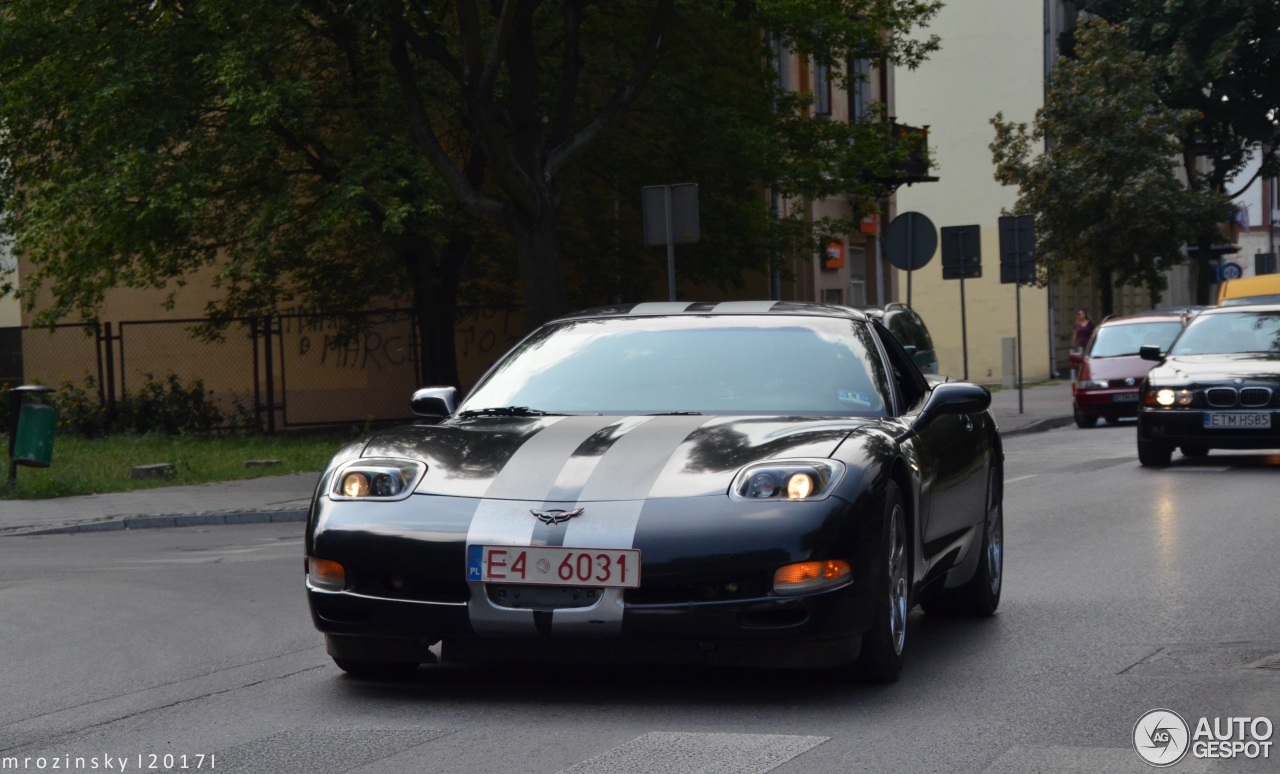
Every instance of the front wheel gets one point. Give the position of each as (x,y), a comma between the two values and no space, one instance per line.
(1153,454)
(980,595)
(880,660)
(1083,420)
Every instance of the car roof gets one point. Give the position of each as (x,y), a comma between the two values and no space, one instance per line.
(1242,308)
(719,308)
(1142,317)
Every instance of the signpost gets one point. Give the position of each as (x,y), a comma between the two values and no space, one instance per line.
(961,259)
(909,243)
(1018,265)
(670,218)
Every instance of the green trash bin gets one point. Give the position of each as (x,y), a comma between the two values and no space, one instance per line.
(33,443)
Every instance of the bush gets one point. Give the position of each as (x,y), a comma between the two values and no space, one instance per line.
(165,406)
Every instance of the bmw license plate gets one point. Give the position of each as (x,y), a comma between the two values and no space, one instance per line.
(554,566)
(1124,397)
(1238,420)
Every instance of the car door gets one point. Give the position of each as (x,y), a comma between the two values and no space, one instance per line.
(952,455)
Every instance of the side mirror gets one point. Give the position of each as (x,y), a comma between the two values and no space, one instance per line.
(1151,352)
(434,401)
(956,398)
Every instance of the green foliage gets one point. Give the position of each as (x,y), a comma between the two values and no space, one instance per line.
(337,156)
(161,406)
(1106,193)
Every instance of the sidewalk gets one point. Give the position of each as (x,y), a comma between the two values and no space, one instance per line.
(286,498)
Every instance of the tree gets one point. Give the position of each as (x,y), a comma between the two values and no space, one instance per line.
(1106,194)
(1219,58)
(327,155)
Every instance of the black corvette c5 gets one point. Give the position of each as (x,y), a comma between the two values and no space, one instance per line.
(761,483)
(1218,386)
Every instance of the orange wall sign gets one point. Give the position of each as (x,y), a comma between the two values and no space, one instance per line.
(835,255)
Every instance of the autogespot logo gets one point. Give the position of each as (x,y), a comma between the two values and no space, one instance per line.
(1161,737)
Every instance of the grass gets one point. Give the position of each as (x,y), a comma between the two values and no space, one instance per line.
(82,467)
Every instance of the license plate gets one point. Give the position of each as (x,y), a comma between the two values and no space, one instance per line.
(1238,420)
(554,566)
(1124,397)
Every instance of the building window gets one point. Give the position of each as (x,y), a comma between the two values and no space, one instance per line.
(833,297)
(821,90)
(860,89)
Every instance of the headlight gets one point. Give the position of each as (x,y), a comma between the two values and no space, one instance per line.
(376,479)
(1089,384)
(793,480)
(1166,397)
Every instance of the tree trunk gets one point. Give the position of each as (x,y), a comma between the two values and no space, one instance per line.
(538,255)
(1204,270)
(1106,294)
(435,305)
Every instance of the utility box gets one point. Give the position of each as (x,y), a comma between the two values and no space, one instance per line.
(1009,362)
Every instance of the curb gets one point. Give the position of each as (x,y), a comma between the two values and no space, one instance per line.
(1039,426)
(119,523)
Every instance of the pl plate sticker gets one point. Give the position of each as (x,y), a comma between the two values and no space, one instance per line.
(848,396)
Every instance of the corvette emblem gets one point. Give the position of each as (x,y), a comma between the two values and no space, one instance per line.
(556,516)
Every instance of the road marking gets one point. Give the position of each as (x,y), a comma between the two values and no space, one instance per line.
(1198,470)
(679,753)
(1020,478)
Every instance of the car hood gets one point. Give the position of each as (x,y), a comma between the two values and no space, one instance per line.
(1109,368)
(1251,367)
(594,458)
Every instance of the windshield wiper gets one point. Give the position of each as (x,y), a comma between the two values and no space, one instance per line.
(676,414)
(505,411)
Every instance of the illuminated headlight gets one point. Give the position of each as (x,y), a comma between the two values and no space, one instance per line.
(1166,397)
(1089,384)
(793,480)
(376,479)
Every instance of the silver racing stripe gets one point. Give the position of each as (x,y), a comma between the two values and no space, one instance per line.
(608,477)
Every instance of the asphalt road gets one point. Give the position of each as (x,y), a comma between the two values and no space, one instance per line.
(1126,590)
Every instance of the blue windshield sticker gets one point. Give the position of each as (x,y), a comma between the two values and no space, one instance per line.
(860,398)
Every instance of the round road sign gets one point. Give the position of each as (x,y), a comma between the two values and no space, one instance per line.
(910,241)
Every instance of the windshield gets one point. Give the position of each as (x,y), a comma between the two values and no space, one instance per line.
(1127,340)
(705,364)
(1235,332)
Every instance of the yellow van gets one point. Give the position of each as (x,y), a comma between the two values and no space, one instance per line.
(1262,289)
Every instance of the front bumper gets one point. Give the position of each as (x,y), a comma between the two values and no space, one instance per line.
(1121,402)
(1186,427)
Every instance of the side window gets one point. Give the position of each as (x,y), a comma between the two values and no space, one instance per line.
(898,327)
(907,379)
(922,333)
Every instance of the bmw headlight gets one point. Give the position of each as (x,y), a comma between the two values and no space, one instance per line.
(376,479)
(793,480)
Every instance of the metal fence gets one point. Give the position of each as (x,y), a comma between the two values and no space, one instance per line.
(287,370)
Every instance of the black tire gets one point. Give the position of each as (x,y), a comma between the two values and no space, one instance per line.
(880,659)
(1084,421)
(1153,454)
(376,670)
(980,595)
(1195,451)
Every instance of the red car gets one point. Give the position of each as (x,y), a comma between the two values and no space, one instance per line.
(1110,371)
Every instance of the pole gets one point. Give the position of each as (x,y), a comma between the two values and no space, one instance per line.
(1017,295)
(671,248)
(911,264)
(964,328)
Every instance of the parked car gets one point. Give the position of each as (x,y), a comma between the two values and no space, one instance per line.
(1110,370)
(910,331)
(1217,386)
(740,483)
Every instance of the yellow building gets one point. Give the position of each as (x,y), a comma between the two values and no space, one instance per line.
(994,57)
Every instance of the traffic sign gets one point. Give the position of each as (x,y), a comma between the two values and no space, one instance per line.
(961,252)
(910,241)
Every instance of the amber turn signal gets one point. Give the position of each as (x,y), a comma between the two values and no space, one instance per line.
(810,576)
(326,574)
